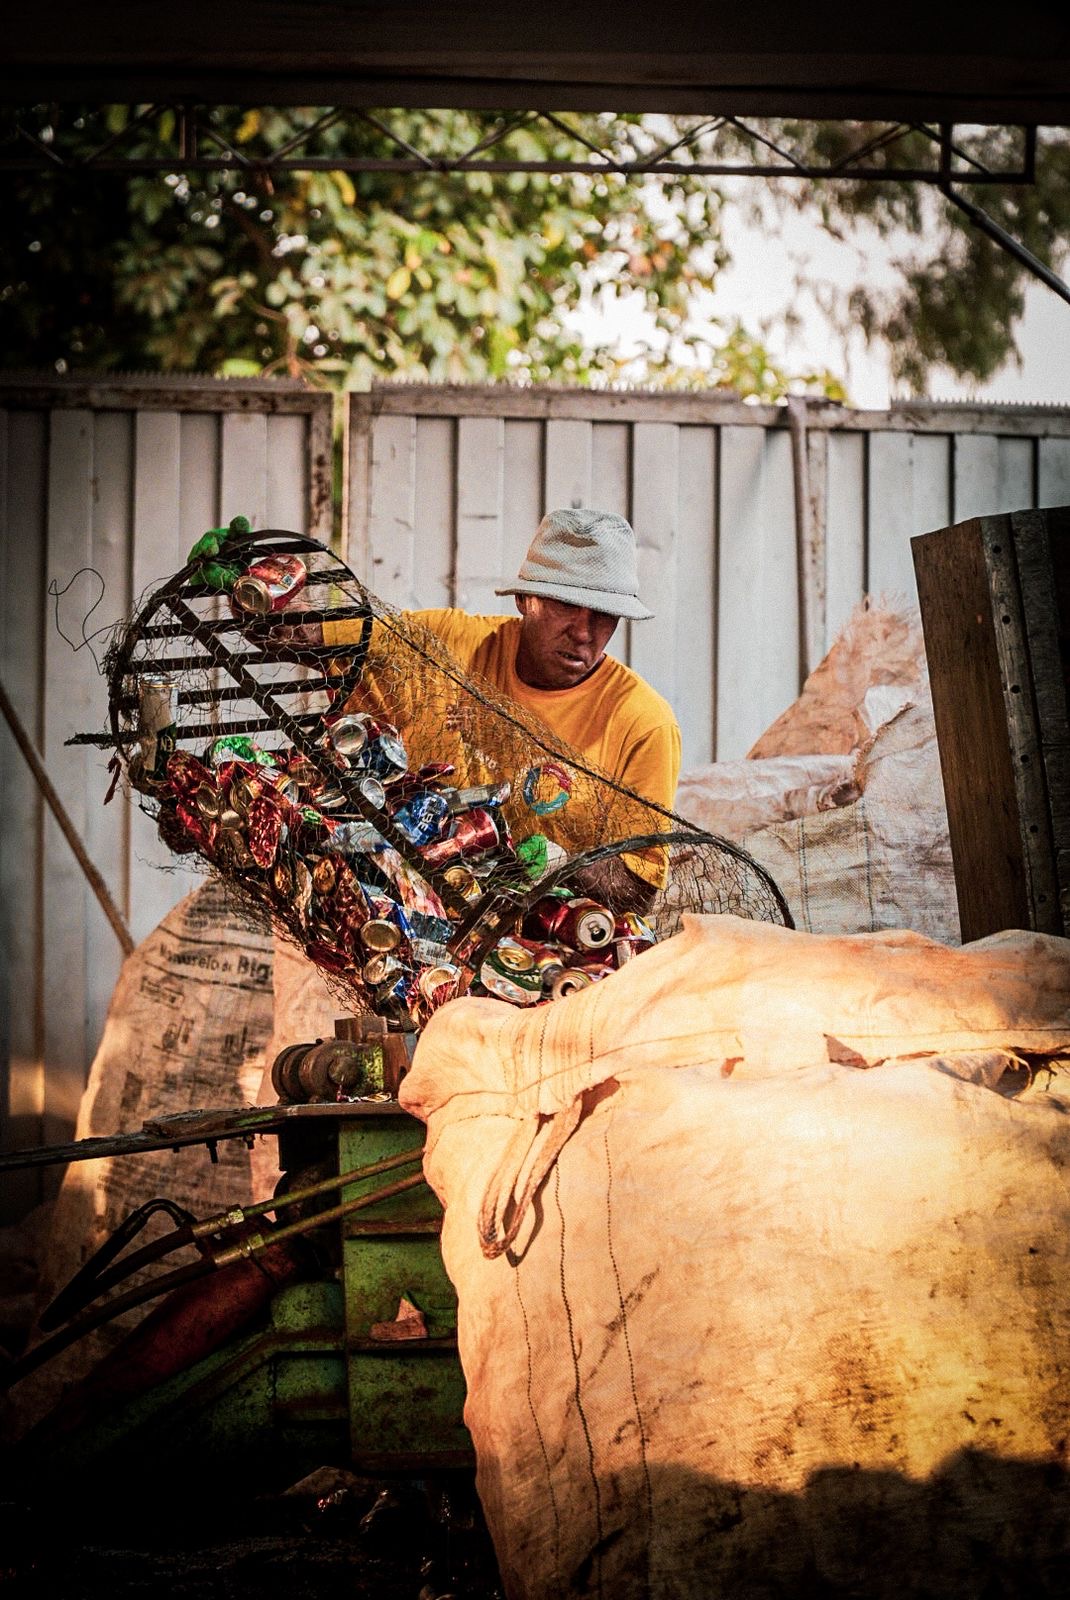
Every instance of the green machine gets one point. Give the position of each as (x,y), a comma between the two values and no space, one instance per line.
(328,1338)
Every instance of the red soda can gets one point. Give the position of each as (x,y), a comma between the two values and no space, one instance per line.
(268,585)
(476,832)
(581,923)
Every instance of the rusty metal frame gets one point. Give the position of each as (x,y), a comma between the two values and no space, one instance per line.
(199,145)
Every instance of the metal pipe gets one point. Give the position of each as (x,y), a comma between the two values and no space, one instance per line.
(1006,241)
(66,826)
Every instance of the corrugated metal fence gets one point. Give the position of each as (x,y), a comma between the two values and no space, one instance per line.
(443,490)
(82,466)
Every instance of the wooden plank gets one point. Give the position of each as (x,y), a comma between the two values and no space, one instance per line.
(287,473)
(357,489)
(162,392)
(199,444)
(992,475)
(655,510)
(106,834)
(971,728)
(243,468)
(932,481)
(845,530)
(70,707)
(710,406)
(392,512)
(319,522)
(757,608)
(815,568)
(891,518)
(695,623)
(523,504)
(435,498)
(23,498)
(1053,472)
(480,495)
(1043,598)
(160,547)
(568,464)
(611,444)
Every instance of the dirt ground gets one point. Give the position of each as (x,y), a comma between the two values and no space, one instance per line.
(333,1534)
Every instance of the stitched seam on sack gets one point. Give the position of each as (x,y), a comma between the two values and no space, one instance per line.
(804,877)
(628,1350)
(538,1430)
(576,1376)
(864,831)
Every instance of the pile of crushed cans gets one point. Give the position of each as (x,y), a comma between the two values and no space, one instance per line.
(271,820)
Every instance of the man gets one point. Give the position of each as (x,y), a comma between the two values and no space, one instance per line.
(578,579)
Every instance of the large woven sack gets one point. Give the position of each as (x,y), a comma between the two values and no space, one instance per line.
(762,1258)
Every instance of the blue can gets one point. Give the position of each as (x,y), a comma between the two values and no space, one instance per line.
(422,816)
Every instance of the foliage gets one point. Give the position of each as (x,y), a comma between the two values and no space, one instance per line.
(341,278)
(958,296)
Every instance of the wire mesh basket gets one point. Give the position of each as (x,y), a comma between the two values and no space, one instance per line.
(418,834)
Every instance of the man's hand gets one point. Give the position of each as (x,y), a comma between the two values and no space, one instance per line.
(613,884)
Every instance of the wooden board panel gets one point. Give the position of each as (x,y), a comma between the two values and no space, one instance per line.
(932,482)
(287,473)
(891,519)
(1039,542)
(992,474)
(434,508)
(107,827)
(392,511)
(971,729)
(199,444)
(845,530)
(655,490)
(568,464)
(695,624)
(69,707)
(160,547)
(1053,472)
(480,553)
(611,490)
(243,468)
(757,604)
(610,467)
(523,504)
(23,498)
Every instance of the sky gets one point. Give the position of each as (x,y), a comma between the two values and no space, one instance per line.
(761,284)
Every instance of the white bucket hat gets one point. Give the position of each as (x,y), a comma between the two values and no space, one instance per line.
(585,558)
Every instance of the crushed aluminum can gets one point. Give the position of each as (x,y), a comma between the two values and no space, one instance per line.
(474,833)
(378,934)
(282,878)
(156,705)
(570,981)
(421,817)
(268,585)
(519,988)
(631,926)
(324,875)
(372,791)
(351,733)
(357,838)
(463,881)
(382,968)
(439,984)
(385,756)
(208,801)
(428,952)
(509,955)
(581,923)
(483,794)
(422,926)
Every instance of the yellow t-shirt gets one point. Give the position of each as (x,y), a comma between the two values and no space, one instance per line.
(614,720)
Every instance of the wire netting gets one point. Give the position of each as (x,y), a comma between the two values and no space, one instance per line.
(418,834)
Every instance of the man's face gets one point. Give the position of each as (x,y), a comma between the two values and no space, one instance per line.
(559,644)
